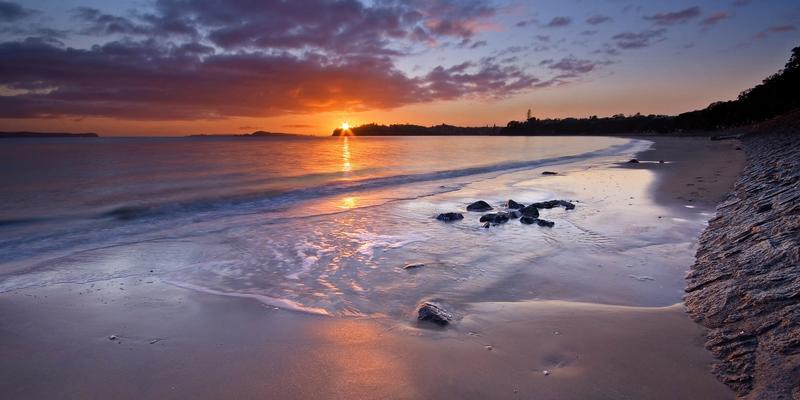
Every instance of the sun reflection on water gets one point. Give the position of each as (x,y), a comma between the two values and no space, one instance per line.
(346,166)
(349,202)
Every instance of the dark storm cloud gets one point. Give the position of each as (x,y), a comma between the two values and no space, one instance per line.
(638,40)
(598,19)
(12,11)
(677,17)
(193,59)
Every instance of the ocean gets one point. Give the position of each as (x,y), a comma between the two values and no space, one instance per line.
(325,225)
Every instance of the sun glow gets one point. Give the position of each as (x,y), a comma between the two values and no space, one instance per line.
(345,126)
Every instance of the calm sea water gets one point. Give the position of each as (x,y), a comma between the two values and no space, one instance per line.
(319,224)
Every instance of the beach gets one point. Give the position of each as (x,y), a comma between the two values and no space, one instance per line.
(591,308)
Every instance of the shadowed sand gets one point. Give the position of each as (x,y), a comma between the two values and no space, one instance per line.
(175,343)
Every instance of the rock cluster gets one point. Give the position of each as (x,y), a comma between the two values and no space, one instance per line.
(745,283)
(528,215)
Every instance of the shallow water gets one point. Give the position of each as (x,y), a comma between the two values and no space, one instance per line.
(326,225)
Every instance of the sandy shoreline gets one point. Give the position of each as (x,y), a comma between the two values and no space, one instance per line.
(174,343)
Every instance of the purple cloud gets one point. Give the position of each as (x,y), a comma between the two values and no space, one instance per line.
(598,19)
(775,29)
(638,40)
(205,59)
(572,66)
(672,18)
(558,22)
(715,18)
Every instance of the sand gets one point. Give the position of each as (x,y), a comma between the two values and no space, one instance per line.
(174,343)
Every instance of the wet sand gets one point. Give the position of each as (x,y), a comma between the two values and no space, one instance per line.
(174,343)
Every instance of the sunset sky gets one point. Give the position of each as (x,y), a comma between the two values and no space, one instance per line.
(174,67)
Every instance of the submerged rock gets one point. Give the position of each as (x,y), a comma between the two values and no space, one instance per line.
(514,214)
(633,161)
(479,205)
(549,173)
(566,204)
(433,312)
(530,211)
(537,221)
(449,217)
(495,218)
(514,205)
(413,265)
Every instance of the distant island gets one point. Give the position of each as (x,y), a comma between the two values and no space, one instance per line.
(10,135)
(775,96)
(254,134)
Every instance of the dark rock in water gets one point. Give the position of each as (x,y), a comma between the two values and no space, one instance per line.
(495,218)
(514,205)
(549,173)
(433,312)
(537,221)
(413,266)
(530,211)
(479,205)
(660,161)
(449,217)
(514,214)
(545,223)
(487,225)
(633,161)
(547,204)
(566,204)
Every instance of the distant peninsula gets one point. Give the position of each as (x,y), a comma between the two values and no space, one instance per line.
(260,134)
(11,135)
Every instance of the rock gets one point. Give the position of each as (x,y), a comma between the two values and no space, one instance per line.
(566,204)
(528,220)
(433,312)
(764,208)
(546,372)
(660,161)
(495,218)
(450,217)
(633,161)
(547,204)
(413,266)
(530,211)
(545,223)
(549,173)
(514,205)
(113,337)
(487,225)
(479,205)
(514,214)
(744,284)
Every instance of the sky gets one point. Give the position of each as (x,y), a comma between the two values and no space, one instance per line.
(176,67)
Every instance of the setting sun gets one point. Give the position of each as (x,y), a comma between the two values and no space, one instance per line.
(345,126)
